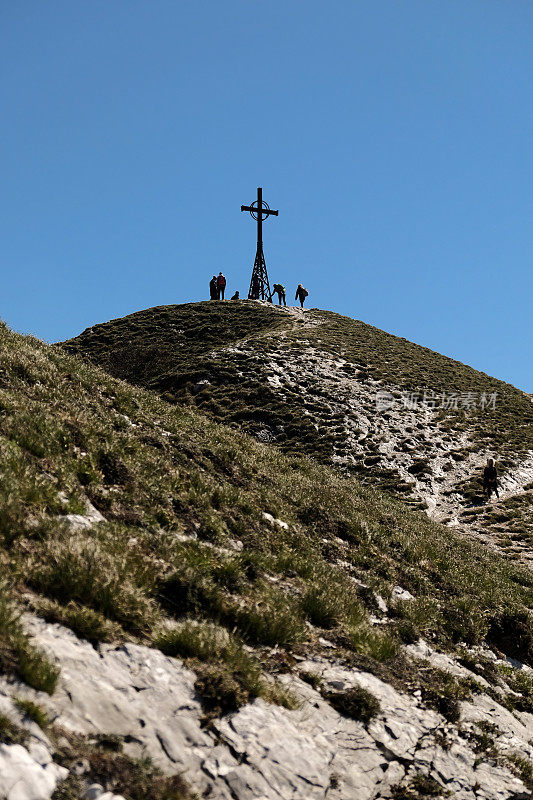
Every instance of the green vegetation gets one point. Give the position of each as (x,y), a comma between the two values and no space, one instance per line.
(443,692)
(356,703)
(479,665)
(522,767)
(484,737)
(400,363)
(85,622)
(511,520)
(512,633)
(331,600)
(420,787)
(228,675)
(150,342)
(32,711)
(173,348)
(521,685)
(185,538)
(312,678)
(88,569)
(17,655)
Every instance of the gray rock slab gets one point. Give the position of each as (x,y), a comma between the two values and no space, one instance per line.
(23,778)
(262,751)
(132,691)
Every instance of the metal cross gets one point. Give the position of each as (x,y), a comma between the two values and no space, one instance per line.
(259,285)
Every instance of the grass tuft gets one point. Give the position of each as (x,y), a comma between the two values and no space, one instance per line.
(355,703)
(32,711)
(272,620)
(512,632)
(36,669)
(17,655)
(228,676)
(328,603)
(97,572)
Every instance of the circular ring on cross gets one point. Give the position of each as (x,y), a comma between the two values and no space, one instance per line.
(256,211)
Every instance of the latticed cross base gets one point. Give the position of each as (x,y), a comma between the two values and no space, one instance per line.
(259,284)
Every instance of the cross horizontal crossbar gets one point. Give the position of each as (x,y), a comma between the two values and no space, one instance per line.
(266,211)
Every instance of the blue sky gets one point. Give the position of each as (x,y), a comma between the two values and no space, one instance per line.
(395,138)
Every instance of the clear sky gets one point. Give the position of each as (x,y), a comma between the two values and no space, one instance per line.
(394,136)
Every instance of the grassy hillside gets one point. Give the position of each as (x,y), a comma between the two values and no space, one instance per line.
(125,517)
(171,339)
(172,349)
(302,381)
(185,557)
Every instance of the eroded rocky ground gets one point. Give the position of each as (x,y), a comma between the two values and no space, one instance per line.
(390,436)
(262,751)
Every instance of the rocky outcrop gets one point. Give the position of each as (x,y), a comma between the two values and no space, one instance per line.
(262,751)
(26,772)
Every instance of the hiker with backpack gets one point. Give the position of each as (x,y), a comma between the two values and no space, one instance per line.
(279,289)
(213,288)
(221,284)
(301,294)
(490,479)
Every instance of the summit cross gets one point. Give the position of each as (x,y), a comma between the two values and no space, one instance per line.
(259,285)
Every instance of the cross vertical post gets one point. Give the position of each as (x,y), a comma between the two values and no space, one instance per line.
(259,283)
(259,218)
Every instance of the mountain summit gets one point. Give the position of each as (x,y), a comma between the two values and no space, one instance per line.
(394,414)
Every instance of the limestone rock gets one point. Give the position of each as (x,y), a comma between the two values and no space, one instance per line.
(401,594)
(22,778)
(93,792)
(111,796)
(263,750)
(199,385)
(276,523)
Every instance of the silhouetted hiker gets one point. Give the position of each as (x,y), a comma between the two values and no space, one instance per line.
(301,294)
(490,479)
(213,288)
(255,288)
(221,283)
(235,296)
(279,289)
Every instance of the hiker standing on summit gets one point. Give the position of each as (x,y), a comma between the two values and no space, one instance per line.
(221,283)
(279,289)
(490,479)
(213,288)
(301,294)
